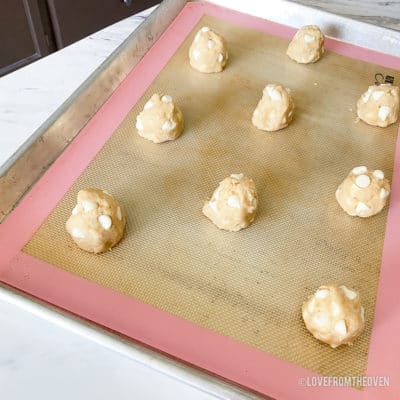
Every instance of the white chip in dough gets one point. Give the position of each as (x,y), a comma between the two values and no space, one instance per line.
(75,210)
(89,205)
(161,120)
(307,46)
(233,204)
(97,222)
(275,109)
(359,170)
(379,105)
(105,221)
(364,192)
(208,52)
(336,317)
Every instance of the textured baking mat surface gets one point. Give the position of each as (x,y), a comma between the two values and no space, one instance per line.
(247,285)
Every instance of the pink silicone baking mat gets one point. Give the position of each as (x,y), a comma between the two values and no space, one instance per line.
(213,352)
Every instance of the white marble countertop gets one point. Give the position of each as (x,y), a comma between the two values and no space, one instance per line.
(39,360)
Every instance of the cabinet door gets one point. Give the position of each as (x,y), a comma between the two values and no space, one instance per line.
(74,19)
(22,38)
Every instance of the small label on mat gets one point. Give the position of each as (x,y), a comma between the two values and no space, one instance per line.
(381,79)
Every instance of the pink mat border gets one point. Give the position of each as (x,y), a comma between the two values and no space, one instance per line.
(245,366)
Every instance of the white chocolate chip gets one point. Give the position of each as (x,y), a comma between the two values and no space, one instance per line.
(340,327)
(377,94)
(205,29)
(75,210)
(383,112)
(220,57)
(322,293)
(237,176)
(362,313)
(166,99)
(309,38)
(211,44)
(256,112)
(119,213)
(273,93)
(196,54)
(139,124)
(77,233)
(234,201)
(361,207)
(321,319)
(350,294)
(363,181)
(105,221)
(89,205)
(148,105)
(359,170)
(254,203)
(383,193)
(169,125)
(378,174)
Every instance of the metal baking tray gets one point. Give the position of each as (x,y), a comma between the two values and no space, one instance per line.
(32,159)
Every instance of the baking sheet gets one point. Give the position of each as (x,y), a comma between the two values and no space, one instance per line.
(247,285)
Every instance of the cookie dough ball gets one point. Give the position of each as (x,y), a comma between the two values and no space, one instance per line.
(363,193)
(334,315)
(275,109)
(161,120)
(379,105)
(97,221)
(208,51)
(307,46)
(233,204)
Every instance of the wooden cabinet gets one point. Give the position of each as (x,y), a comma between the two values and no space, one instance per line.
(22,35)
(31,29)
(73,20)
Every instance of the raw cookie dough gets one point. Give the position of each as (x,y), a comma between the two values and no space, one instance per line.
(275,109)
(363,193)
(97,221)
(334,315)
(307,46)
(161,120)
(379,105)
(208,51)
(233,204)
